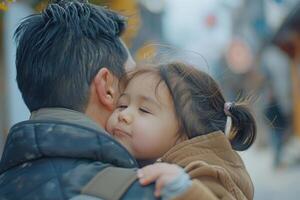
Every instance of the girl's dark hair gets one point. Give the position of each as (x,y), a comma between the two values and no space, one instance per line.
(199,104)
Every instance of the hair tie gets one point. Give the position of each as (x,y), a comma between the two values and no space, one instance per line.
(227,107)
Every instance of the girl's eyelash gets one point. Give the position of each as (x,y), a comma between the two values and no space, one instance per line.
(141,109)
(145,111)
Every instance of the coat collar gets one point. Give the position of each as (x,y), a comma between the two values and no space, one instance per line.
(65,115)
(204,147)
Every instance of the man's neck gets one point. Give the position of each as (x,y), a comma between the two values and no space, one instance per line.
(98,114)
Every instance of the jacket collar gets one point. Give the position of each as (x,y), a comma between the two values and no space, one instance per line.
(205,147)
(37,139)
(65,115)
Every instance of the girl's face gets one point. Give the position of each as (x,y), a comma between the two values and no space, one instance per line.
(144,120)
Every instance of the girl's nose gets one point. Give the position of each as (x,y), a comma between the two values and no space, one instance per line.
(125,117)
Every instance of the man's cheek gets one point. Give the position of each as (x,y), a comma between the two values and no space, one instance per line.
(110,124)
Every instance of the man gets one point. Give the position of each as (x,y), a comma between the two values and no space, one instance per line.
(69,59)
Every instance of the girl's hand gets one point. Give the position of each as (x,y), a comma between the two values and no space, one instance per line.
(162,173)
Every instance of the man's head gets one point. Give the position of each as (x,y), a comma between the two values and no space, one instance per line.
(61,51)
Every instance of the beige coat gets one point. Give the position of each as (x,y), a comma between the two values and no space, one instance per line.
(216,169)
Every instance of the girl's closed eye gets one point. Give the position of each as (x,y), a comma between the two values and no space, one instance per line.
(145,110)
(122,106)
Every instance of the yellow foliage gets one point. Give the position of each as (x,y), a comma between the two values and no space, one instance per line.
(4,4)
(146,52)
(130,9)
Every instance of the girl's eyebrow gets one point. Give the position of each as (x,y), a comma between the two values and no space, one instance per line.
(123,95)
(149,99)
(144,98)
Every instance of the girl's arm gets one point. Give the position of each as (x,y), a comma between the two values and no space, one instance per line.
(172,182)
(209,182)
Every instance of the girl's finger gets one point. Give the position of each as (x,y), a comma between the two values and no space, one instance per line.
(160,183)
(148,174)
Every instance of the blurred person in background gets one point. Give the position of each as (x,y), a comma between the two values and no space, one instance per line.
(277,126)
(276,106)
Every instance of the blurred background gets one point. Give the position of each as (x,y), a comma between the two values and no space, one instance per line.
(251,47)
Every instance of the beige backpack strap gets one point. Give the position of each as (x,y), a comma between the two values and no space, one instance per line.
(110,183)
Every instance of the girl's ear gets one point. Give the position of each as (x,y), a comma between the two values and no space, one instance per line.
(105,91)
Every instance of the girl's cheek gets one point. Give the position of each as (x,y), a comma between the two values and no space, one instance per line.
(145,138)
(145,143)
(142,133)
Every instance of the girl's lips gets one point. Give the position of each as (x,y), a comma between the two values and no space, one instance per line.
(119,132)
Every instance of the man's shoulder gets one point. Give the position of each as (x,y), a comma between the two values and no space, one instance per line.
(69,159)
(61,139)
(72,178)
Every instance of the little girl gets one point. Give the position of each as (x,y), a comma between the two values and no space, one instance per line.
(177,115)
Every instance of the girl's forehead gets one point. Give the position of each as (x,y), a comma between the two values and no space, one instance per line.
(146,79)
(149,84)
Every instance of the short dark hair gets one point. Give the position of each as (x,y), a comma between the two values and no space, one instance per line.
(199,103)
(60,50)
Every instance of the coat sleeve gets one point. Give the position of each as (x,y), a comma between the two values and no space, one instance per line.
(197,191)
(210,183)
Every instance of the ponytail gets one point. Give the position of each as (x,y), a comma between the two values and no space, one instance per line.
(243,129)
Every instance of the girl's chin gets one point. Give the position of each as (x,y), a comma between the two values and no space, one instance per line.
(124,144)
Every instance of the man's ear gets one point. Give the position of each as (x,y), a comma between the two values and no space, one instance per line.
(105,91)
